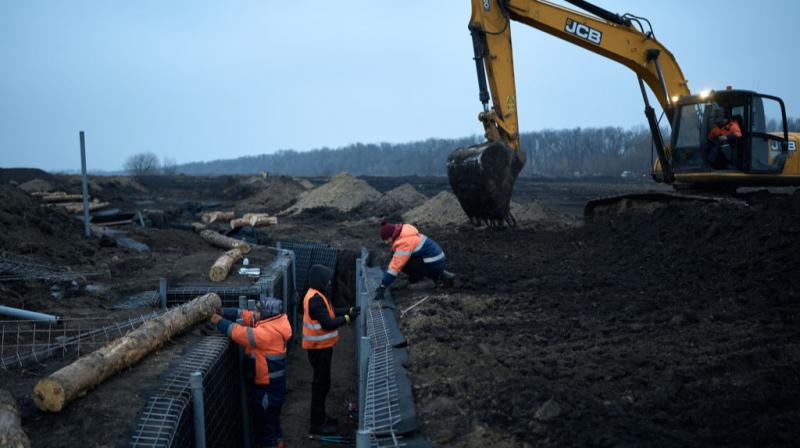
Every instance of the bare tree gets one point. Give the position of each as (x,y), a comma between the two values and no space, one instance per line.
(142,163)
(169,167)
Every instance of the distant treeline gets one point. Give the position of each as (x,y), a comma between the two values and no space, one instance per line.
(608,151)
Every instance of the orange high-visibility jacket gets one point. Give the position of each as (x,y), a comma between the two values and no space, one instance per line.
(410,242)
(314,336)
(731,128)
(264,342)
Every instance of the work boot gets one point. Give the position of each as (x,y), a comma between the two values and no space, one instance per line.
(325,429)
(448,279)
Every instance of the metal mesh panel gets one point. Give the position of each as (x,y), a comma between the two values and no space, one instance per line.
(306,255)
(23,342)
(166,420)
(20,268)
(229,294)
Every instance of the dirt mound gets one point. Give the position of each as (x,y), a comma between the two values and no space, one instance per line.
(686,313)
(47,233)
(442,209)
(36,185)
(269,194)
(344,193)
(397,201)
(22,175)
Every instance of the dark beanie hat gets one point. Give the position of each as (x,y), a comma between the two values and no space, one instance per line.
(389,230)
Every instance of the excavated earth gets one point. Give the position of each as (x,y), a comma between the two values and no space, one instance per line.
(676,326)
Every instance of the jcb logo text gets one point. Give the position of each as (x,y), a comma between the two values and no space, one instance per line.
(583,31)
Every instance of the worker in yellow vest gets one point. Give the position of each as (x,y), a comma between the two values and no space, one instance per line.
(320,323)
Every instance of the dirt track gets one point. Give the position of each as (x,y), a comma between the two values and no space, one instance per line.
(674,328)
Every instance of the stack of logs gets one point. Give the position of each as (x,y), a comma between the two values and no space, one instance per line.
(236,248)
(72,203)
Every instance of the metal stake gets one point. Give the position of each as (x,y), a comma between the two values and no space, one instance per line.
(85,188)
(162,292)
(196,381)
(362,379)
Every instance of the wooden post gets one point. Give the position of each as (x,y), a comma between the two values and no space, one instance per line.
(224,242)
(54,392)
(11,433)
(222,267)
(210,217)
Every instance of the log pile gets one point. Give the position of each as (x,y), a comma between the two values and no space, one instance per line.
(57,196)
(11,433)
(54,392)
(77,207)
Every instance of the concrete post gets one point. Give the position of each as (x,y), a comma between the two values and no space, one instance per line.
(196,382)
(363,439)
(85,188)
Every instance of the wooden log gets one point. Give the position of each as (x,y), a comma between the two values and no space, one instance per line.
(225,242)
(254,220)
(54,392)
(11,433)
(77,207)
(210,217)
(222,267)
(58,196)
(198,227)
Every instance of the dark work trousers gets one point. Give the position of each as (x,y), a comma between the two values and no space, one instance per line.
(320,360)
(265,403)
(417,270)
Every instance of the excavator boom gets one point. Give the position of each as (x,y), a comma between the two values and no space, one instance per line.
(483,176)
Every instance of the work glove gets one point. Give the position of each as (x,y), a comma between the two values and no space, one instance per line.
(354,311)
(380,292)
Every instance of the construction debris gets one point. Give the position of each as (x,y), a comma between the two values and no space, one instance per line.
(11,433)
(224,242)
(54,392)
(222,267)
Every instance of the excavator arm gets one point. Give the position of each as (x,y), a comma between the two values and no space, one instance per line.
(625,39)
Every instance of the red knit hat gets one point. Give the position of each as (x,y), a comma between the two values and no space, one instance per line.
(389,230)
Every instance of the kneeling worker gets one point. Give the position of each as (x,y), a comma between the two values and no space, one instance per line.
(263,333)
(415,254)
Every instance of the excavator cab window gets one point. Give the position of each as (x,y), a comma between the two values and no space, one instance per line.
(689,136)
(768,141)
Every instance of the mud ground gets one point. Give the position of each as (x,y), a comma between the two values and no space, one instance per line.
(675,327)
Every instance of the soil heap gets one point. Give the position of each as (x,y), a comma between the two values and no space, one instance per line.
(343,193)
(33,229)
(398,201)
(442,209)
(270,194)
(36,185)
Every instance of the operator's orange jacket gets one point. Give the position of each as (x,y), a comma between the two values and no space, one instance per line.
(314,336)
(731,128)
(264,343)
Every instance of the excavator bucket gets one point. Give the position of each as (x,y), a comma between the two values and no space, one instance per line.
(482,178)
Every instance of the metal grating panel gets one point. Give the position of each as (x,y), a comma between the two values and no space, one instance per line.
(229,294)
(166,420)
(306,255)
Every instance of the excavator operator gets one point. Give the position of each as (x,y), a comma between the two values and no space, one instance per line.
(722,139)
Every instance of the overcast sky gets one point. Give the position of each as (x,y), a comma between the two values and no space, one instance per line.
(200,79)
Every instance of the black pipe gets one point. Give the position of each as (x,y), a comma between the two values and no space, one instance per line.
(599,12)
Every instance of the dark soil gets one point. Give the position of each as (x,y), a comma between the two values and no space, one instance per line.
(676,328)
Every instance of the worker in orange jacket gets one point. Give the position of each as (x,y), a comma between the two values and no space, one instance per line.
(263,333)
(320,334)
(413,253)
(722,138)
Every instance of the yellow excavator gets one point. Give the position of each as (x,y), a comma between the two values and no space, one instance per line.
(483,176)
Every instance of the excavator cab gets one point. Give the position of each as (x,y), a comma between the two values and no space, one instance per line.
(762,148)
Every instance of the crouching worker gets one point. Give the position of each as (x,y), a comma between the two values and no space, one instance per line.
(414,254)
(263,333)
(320,323)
